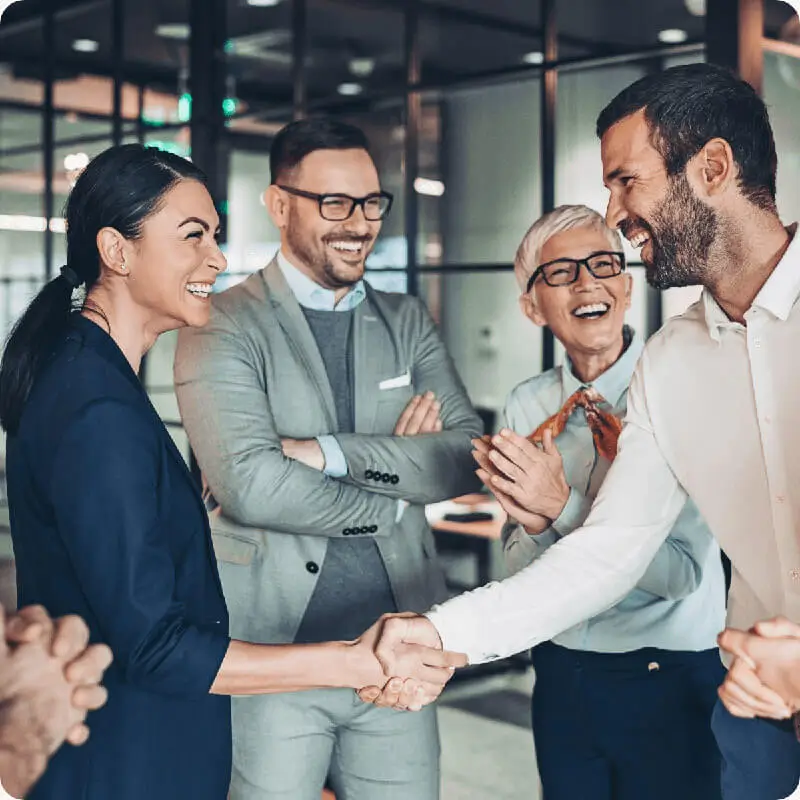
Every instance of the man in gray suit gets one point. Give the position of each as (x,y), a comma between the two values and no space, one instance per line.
(324,416)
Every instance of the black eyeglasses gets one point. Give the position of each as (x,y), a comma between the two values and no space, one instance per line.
(565,271)
(339,207)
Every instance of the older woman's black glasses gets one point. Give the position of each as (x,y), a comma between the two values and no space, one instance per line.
(339,207)
(564,271)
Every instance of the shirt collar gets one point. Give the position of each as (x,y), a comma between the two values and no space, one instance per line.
(612,383)
(777,296)
(315,297)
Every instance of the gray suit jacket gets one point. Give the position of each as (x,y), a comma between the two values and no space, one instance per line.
(254,375)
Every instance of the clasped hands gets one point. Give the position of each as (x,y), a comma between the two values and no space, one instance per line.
(49,679)
(410,666)
(764,677)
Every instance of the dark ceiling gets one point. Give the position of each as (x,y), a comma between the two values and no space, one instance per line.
(458,37)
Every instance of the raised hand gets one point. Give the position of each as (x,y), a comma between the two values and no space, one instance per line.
(421,415)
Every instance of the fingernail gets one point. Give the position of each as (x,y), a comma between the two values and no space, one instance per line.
(429,395)
(395,685)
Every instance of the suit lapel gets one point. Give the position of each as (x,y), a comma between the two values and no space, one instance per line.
(374,358)
(298,333)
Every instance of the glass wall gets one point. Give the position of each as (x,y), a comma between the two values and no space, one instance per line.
(465,167)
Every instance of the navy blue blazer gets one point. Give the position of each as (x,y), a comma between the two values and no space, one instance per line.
(107,523)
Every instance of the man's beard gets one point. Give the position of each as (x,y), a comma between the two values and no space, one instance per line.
(682,232)
(317,261)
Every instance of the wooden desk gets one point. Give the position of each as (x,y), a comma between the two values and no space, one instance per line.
(477,537)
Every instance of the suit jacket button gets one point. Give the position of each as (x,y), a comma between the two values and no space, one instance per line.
(365,529)
(369,474)
(386,477)
(347,532)
(395,479)
(312,567)
(373,528)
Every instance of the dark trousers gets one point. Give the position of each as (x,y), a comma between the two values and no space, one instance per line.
(626,726)
(760,758)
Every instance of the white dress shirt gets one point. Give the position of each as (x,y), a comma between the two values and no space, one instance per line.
(713,413)
(679,602)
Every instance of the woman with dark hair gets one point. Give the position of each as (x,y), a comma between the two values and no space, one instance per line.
(106,520)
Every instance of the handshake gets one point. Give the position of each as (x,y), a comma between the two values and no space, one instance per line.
(402,664)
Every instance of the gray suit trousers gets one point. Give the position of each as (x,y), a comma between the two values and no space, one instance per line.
(285,746)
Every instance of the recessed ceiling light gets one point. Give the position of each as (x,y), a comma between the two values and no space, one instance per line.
(350,89)
(697,8)
(85,46)
(361,67)
(428,186)
(173,30)
(536,57)
(263,3)
(672,36)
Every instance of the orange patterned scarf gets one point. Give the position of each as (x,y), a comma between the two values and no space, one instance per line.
(605,427)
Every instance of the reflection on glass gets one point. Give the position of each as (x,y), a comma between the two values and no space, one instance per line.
(493,345)
(782,96)
(490,150)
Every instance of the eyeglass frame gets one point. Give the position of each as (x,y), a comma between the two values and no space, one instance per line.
(355,201)
(580,262)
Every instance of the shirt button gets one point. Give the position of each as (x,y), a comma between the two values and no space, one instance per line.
(767,419)
(780,498)
(312,567)
(756,342)
(653,666)
(794,574)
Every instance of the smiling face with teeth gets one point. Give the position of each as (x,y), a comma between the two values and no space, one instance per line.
(171,268)
(331,253)
(658,213)
(587,316)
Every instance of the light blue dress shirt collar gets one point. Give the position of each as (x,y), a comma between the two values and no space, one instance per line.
(614,382)
(311,295)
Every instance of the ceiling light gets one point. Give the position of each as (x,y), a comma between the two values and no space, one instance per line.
(174,30)
(361,67)
(536,57)
(23,222)
(350,89)
(697,8)
(672,36)
(263,3)
(428,186)
(85,46)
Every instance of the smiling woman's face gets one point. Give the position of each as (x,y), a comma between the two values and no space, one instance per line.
(587,316)
(174,264)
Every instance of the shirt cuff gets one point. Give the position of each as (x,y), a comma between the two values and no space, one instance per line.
(335,462)
(574,513)
(401,507)
(457,632)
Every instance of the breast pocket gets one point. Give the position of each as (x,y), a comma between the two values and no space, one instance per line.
(390,405)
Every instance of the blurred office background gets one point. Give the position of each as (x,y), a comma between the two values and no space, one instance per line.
(481,116)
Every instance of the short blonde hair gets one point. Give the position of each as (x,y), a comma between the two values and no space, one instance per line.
(563,218)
